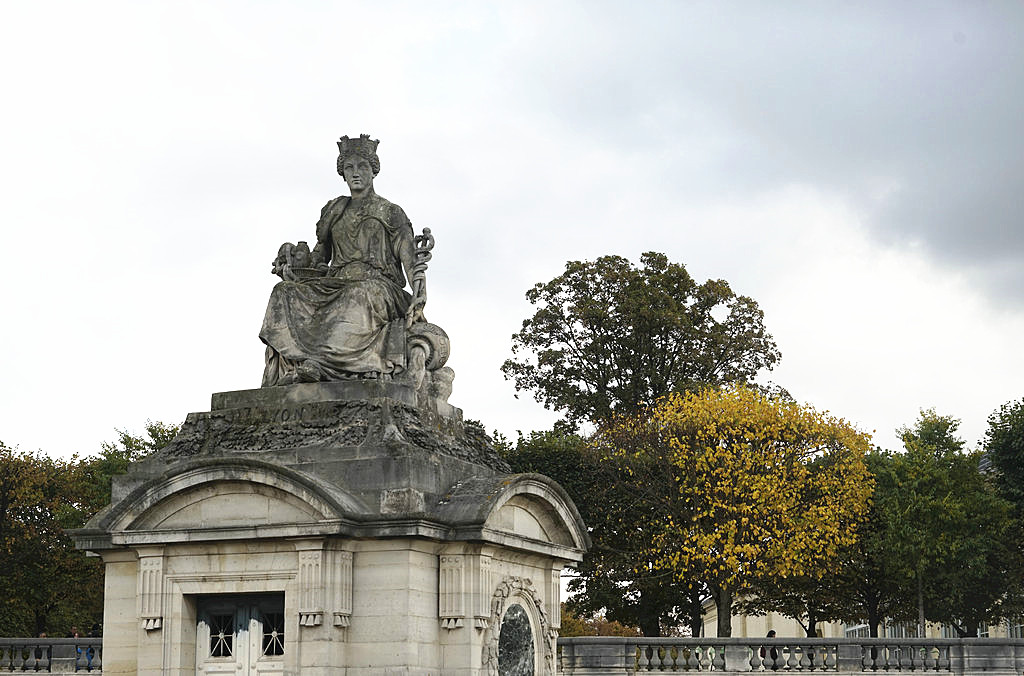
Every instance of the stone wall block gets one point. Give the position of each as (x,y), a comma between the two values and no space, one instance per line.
(849,657)
(737,657)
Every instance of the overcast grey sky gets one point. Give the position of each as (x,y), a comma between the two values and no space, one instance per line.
(854,167)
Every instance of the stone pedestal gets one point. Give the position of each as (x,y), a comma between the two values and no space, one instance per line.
(330,528)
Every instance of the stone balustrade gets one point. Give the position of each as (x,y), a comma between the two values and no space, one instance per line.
(627,656)
(607,655)
(53,655)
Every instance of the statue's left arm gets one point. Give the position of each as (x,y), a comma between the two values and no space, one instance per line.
(405,250)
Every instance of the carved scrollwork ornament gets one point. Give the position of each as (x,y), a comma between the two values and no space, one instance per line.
(506,589)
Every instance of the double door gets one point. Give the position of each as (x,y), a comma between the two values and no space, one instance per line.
(241,634)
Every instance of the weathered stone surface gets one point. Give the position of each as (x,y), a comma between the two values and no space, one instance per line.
(359,503)
(341,310)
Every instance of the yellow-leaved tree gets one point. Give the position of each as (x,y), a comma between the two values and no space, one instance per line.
(739,486)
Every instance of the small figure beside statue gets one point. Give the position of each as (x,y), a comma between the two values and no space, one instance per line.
(342,310)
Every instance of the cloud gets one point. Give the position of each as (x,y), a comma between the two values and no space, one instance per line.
(853,167)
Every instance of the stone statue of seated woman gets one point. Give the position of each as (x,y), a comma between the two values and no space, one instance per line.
(342,310)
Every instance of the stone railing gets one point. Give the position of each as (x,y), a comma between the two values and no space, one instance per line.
(54,655)
(606,655)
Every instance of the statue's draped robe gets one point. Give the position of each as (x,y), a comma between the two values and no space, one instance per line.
(352,321)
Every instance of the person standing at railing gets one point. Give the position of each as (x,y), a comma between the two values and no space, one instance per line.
(74,634)
(90,651)
(773,652)
(39,648)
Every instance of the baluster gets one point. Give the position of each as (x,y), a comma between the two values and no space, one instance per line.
(643,663)
(659,657)
(686,658)
(705,658)
(831,658)
(792,661)
(755,657)
(943,659)
(779,658)
(674,652)
(814,657)
(19,658)
(802,661)
(682,658)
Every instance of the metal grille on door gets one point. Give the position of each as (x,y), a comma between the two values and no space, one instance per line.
(240,634)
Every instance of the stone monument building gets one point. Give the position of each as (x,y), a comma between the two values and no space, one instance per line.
(341,519)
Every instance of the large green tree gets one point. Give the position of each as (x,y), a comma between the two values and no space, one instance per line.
(45,581)
(610,337)
(866,585)
(48,585)
(610,582)
(1004,443)
(939,543)
(949,532)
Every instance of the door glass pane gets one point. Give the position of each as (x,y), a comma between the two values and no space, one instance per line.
(222,635)
(273,633)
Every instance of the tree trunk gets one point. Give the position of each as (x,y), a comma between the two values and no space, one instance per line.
(812,624)
(920,605)
(696,615)
(874,619)
(723,602)
(648,618)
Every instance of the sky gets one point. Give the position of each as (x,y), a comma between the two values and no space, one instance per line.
(856,168)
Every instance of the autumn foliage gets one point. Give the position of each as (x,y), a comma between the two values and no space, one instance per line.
(741,486)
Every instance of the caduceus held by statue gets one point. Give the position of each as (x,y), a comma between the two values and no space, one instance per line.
(341,310)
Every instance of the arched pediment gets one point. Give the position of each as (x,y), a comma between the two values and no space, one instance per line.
(528,516)
(515,510)
(229,495)
(225,503)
